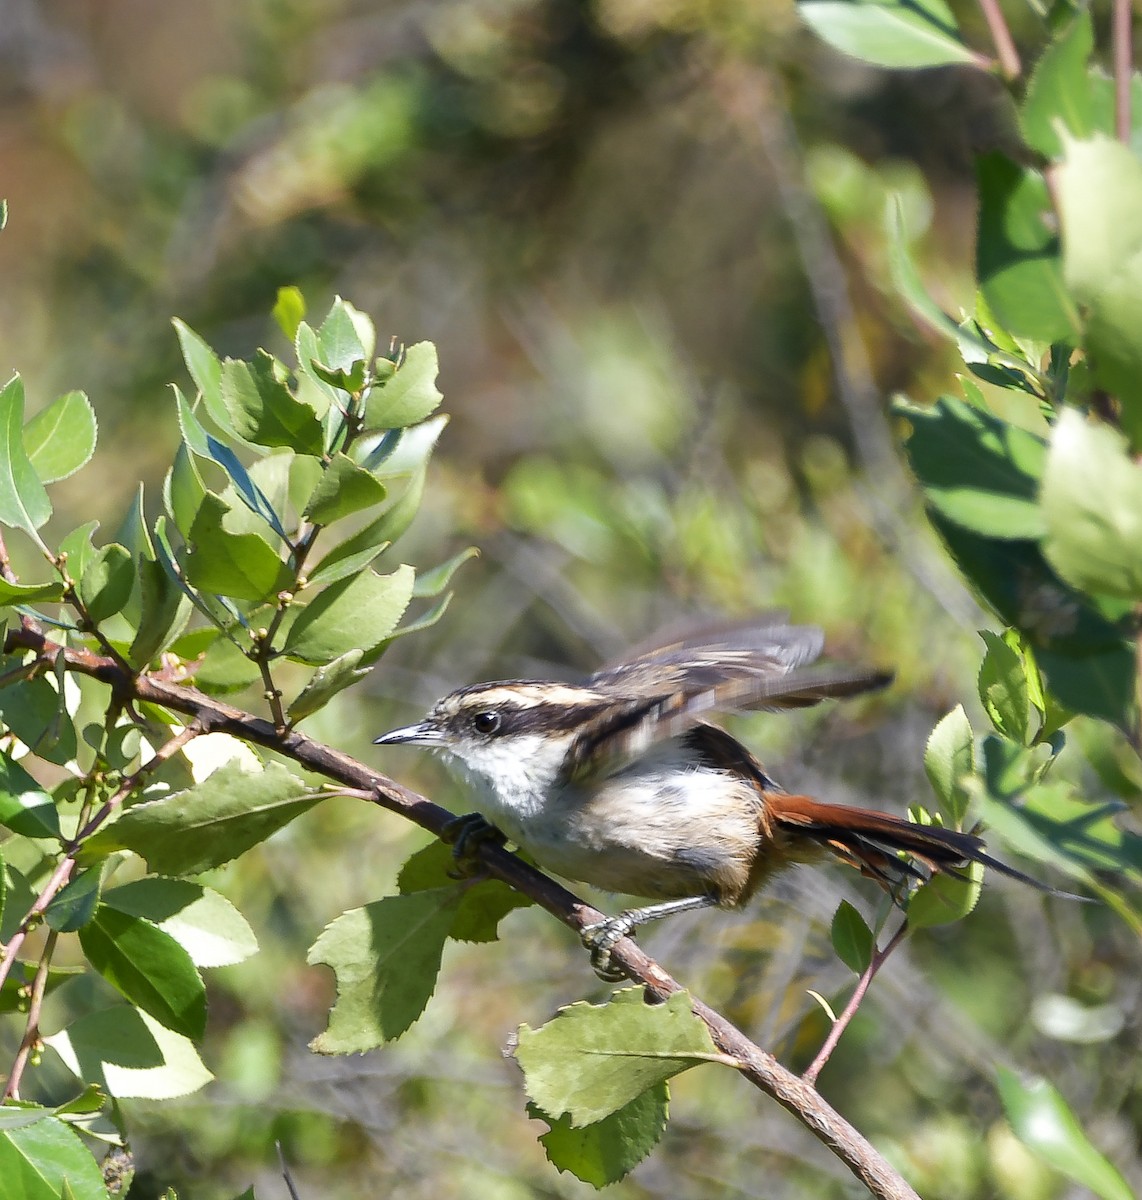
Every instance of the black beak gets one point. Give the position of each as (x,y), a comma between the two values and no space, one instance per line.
(424,733)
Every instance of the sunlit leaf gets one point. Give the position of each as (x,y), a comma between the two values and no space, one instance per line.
(242,565)
(344,488)
(356,613)
(889,33)
(41,1158)
(61,438)
(75,905)
(24,503)
(949,758)
(106,582)
(409,395)
(264,411)
(851,937)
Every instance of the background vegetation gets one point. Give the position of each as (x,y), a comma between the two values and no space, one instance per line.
(649,241)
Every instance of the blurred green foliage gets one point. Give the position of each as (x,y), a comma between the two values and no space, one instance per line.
(611,218)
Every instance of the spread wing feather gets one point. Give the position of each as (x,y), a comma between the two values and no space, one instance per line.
(665,689)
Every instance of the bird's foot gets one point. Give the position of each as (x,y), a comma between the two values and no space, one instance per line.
(465,835)
(601,938)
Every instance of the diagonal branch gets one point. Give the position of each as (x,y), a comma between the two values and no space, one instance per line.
(762,1070)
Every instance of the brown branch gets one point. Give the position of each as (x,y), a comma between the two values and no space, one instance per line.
(764,1071)
(31,1036)
(1122,49)
(1005,49)
(878,959)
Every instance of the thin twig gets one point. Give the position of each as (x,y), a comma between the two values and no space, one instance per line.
(1122,49)
(878,959)
(31,1036)
(759,1067)
(1008,56)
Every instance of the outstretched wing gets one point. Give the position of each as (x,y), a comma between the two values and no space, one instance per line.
(665,688)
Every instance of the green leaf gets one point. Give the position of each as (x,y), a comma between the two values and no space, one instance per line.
(39,1160)
(264,411)
(851,937)
(1092,507)
(1004,692)
(130,1055)
(1044,1123)
(164,612)
(949,758)
(25,807)
(1100,202)
(357,551)
(241,565)
(225,669)
(1059,91)
(592,1060)
(208,825)
(325,683)
(344,488)
(605,1151)
(24,503)
(148,967)
(356,613)
(12,594)
(409,395)
(346,337)
(61,438)
(75,905)
(183,490)
(893,34)
(106,582)
(1097,684)
(482,904)
(35,713)
(205,369)
(203,922)
(289,310)
(386,957)
(434,581)
(975,469)
(17,987)
(1018,259)
(944,899)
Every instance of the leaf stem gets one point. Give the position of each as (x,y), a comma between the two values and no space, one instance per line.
(841,1023)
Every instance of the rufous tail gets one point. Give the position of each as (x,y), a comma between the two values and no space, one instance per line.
(871,841)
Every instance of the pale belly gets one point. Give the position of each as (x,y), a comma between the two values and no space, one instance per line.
(650,831)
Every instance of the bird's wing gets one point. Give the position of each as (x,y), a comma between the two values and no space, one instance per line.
(666,688)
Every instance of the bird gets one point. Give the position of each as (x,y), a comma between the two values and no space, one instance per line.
(621,781)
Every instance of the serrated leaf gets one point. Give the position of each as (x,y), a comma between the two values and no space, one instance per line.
(483,903)
(1092,507)
(976,470)
(607,1150)
(409,395)
(205,369)
(343,488)
(349,556)
(289,310)
(944,899)
(1003,690)
(264,411)
(356,613)
(148,967)
(591,1060)
(241,565)
(208,825)
(75,905)
(106,583)
(61,438)
(851,937)
(1045,1124)
(949,758)
(24,503)
(1099,190)
(130,1055)
(203,922)
(889,34)
(38,1160)
(345,337)
(13,594)
(25,807)
(386,957)
(325,683)
(1059,95)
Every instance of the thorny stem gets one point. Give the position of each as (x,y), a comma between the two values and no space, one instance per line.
(879,957)
(31,1036)
(1123,54)
(1005,49)
(796,1095)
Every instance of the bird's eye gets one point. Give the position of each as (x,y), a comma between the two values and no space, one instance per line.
(486,722)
